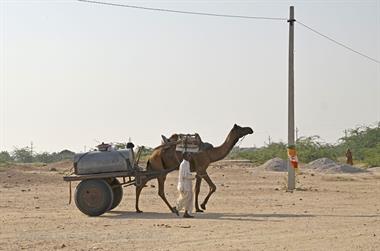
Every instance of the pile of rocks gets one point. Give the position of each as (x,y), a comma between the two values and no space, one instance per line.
(276,164)
(329,166)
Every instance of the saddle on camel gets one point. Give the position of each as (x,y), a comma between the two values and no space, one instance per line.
(186,142)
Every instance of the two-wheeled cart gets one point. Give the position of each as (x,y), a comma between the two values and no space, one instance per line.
(102,175)
(102,192)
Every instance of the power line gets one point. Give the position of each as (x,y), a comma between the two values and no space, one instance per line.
(232,16)
(338,43)
(183,12)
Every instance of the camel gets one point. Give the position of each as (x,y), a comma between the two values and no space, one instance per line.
(165,158)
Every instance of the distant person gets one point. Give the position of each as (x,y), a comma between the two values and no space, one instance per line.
(185,187)
(349,157)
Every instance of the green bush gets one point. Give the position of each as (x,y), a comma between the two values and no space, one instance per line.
(5,157)
(311,148)
(372,155)
(259,155)
(22,155)
(363,141)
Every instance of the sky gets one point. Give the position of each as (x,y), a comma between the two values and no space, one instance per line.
(73,74)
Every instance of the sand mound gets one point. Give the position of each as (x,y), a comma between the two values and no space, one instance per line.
(374,169)
(329,166)
(276,164)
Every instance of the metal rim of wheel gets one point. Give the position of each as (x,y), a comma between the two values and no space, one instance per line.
(117,190)
(93,197)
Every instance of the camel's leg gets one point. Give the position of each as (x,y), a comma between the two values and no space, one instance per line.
(212,190)
(197,190)
(161,192)
(138,191)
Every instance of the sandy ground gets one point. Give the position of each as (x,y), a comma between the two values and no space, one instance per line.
(249,211)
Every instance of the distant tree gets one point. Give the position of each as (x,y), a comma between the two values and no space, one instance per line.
(120,145)
(44,157)
(312,148)
(23,155)
(362,140)
(5,157)
(259,155)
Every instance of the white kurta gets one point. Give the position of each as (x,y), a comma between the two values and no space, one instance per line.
(185,187)
(185,177)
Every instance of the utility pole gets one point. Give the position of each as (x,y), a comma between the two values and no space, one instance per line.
(291,171)
(31,148)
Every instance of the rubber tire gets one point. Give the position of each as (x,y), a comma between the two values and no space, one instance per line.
(117,193)
(99,197)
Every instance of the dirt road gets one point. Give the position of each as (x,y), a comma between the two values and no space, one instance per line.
(249,211)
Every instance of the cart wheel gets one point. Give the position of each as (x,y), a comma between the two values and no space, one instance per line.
(93,197)
(117,190)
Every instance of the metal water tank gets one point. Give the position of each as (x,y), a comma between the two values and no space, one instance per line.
(103,161)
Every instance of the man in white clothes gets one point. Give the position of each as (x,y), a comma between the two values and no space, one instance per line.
(185,187)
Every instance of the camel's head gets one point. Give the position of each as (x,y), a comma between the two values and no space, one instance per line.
(241,131)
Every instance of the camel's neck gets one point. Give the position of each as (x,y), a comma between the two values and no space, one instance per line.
(222,151)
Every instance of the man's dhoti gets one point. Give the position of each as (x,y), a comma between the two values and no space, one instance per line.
(185,200)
